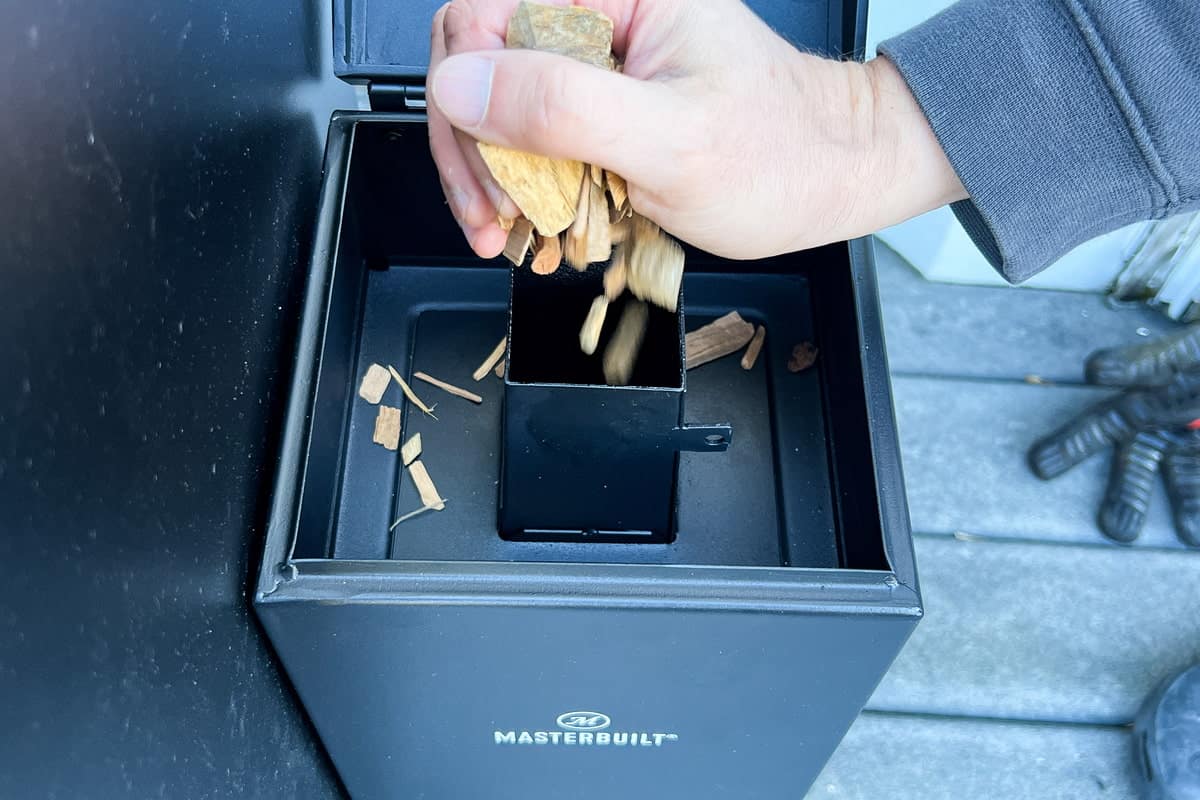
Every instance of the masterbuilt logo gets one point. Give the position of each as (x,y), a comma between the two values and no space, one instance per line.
(585,729)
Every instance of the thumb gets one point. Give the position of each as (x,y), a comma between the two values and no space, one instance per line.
(556,106)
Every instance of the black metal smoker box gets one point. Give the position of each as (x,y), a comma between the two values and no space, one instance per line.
(721,650)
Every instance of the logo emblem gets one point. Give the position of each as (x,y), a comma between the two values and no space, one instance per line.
(583,721)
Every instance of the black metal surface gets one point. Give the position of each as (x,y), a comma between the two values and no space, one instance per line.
(159,181)
(582,460)
(389,41)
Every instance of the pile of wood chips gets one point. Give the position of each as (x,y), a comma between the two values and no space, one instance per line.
(580,212)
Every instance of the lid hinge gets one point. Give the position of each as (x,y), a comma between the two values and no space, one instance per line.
(396,97)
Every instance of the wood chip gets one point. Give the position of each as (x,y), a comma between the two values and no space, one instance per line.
(547,255)
(575,242)
(448,387)
(572,31)
(499,370)
(804,355)
(750,357)
(410,394)
(597,176)
(718,339)
(519,239)
(620,229)
(618,189)
(429,493)
(599,233)
(416,513)
(411,450)
(545,189)
(387,427)
(491,360)
(620,356)
(655,265)
(616,274)
(589,335)
(374,384)
(506,223)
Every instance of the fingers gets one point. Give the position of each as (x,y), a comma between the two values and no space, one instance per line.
(553,105)
(1131,486)
(474,211)
(1151,364)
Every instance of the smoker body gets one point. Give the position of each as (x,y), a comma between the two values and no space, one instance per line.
(724,658)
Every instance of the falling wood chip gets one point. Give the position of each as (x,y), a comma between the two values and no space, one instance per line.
(718,339)
(387,427)
(519,239)
(410,394)
(750,357)
(621,354)
(572,31)
(416,513)
(599,228)
(374,384)
(499,370)
(616,274)
(547,255)
(589,335)
(428,492)
(448,387)
(804,355)
(545,189)
(655,265)
(491,360)
(411,450)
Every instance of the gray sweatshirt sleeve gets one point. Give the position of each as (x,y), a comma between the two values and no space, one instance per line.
(1064,119)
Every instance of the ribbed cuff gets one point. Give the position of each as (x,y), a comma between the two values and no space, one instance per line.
(1018,103)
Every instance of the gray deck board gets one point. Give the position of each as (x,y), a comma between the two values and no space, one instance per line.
(914,758)
(1052,633)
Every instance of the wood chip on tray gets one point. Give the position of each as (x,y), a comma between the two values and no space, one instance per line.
(620,356)
(718,339)
(429,493)
(448,387)
(499,370)
(804,355)
(374,384)
(387,427)
(411,395)
(750,357)
(491,360)
(411,450)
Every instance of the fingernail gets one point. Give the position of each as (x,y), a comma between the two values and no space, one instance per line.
(462,89)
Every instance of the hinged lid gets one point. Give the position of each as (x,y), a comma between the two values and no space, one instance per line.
(387,41)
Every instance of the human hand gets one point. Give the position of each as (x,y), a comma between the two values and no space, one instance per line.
(1152,425)
(729,137)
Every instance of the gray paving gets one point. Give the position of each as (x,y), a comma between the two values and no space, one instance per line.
(888,757)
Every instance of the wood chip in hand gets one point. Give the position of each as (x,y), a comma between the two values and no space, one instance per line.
(620,356)
(547,255)
(387,427)
(718,339)
(575,241)
(519,239)
(599,234)
(374,384)
(573,31)
(616,274)
(545,189)
(589,335)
